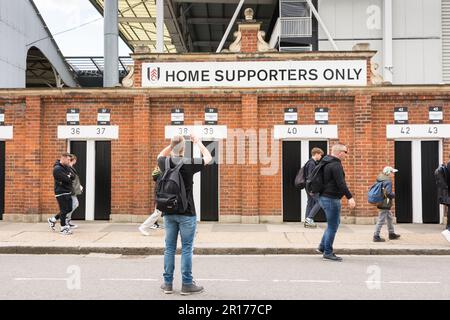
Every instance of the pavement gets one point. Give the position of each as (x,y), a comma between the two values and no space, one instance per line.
(218,239)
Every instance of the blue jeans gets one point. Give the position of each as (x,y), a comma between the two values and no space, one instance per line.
(332,208)
(186,226)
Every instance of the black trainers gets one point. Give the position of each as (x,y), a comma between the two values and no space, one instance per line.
(332,257)
(378,239)
(187,289)
(167,288)
(393,236)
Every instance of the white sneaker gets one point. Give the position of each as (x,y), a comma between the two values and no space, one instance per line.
(446,234)
(65,231)
(72,226)
(52,223)
(143,231)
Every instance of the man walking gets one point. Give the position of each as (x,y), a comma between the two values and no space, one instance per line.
(312,206)
(446,232)
(63,177)
(385,206)
(77,189)
(182,222)
(334,189)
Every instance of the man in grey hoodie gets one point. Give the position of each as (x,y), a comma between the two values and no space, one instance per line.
(386,205)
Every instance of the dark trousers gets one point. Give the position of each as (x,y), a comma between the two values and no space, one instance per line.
(312,206)
(65,207)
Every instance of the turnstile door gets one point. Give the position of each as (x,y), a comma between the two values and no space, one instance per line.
(291,194)
(430,161)
(78,148)
(102,180)
(320,216)
(209,195)
(2,179)
(403,182)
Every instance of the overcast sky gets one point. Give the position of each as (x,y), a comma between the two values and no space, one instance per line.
(61,15)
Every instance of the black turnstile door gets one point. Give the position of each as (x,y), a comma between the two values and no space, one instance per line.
(102,180)
(291,194)
(403,182)
(78,148)
(430,161)
(320,216)
(2,179)
(209,185)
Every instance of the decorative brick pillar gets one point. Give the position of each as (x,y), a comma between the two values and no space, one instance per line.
(362,153)
(249,36)
(141,162)
(250,174)
(32,159)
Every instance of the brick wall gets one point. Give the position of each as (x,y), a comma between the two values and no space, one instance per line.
(360,114)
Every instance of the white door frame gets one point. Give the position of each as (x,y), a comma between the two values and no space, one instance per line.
(416,172)
(304,157)
(89,188)
(197,190)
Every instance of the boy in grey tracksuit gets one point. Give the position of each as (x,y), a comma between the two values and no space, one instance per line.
(386,205)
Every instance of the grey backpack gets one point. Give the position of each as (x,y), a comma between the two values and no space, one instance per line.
(76,186)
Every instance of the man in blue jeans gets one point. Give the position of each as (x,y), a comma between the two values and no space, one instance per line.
(184,223)
(335,188)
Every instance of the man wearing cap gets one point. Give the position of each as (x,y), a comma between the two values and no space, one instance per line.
(385,207)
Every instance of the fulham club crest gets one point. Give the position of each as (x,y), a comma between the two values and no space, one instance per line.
(153,74)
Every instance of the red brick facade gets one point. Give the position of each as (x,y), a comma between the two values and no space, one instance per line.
(360,113)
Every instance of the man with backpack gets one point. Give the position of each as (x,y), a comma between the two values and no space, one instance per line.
(174,197)
(384,187)
(312,206)
(328,179)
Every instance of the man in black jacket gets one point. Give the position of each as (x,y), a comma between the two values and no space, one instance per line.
(335,188)
(312,206)
(63,177)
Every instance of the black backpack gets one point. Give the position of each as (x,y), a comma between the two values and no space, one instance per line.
(300,179)
(441,176)
(314,181)
(170,191)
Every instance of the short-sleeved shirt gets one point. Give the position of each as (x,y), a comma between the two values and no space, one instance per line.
(188,169)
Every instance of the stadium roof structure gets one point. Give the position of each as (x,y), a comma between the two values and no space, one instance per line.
(190,25)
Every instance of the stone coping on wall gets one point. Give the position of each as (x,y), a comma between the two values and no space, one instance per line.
(273,56)
(393,90)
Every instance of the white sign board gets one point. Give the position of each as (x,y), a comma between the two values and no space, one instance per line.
(249,74)
(204,132)
(305,132)
(6,132)
(409,131)
(88,132)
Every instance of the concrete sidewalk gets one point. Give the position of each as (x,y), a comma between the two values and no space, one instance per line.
(215,238)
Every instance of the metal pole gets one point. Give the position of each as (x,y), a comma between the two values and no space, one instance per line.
(111,32)
(387,41)
(160,26)
(230,25)
(322,24)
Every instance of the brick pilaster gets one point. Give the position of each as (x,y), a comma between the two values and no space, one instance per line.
(363,155)
(141,156)
(32,155)
(250,175)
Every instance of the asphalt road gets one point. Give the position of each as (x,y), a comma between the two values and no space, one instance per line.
(226,277)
